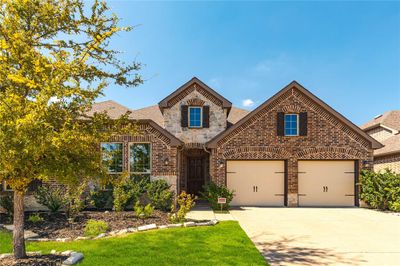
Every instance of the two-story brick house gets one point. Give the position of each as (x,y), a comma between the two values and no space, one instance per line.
(293,150)
(386,129)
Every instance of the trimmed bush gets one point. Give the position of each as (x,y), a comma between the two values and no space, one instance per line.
(212,192)
(160,194)
(381,190)
(143,211)
(101,199)
(95,227)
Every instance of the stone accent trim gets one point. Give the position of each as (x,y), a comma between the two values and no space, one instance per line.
(195,102)
(190,89)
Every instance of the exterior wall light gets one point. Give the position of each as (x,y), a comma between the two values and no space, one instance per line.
(367,164)
(221,163)
(166,161)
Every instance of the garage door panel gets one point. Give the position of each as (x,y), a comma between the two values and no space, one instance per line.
(256,183)
(326,183)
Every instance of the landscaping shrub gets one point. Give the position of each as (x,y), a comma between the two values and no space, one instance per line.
(160,194)
(126,191)
(381,190)
(185,203)
(74,197)
(95,227)
(213,191)
(101,198)
(35,218)
(51,197)
(6,202)
(143,211)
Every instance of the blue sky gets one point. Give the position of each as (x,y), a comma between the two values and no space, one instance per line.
(347,53)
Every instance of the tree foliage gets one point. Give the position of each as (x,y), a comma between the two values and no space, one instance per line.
(55,61)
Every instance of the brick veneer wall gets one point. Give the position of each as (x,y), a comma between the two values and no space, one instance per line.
(327,138)
(389,161)
(160,150)
(380,133)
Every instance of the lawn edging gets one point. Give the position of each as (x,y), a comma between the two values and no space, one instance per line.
(123,231)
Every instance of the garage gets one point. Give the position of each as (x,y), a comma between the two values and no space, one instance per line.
(326,183)
(257,183)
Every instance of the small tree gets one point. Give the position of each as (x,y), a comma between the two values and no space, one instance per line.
(55,61)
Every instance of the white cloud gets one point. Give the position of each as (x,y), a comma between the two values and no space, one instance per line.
(247,102)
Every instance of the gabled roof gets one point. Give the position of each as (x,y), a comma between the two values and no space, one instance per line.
(390,119)
(392,146)
(174,141)
(153,112)
(113,109)
(294,84)
(165,102)
(116,110)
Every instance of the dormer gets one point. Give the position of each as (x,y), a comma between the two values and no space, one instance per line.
(195,113)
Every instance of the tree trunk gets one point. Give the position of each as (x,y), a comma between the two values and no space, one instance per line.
(18,233)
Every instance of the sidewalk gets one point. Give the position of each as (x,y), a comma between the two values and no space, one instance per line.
(202,211)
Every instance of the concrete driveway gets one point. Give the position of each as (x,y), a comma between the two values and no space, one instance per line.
(323,236)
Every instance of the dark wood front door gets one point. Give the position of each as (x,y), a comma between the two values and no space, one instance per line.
(195,175)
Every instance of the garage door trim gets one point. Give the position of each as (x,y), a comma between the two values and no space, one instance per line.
(286,177)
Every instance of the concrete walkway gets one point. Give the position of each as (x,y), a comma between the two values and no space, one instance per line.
(323,236)
(202,211)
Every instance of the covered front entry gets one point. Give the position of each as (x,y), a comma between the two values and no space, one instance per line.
(327,183)
(195,170)
(257,183)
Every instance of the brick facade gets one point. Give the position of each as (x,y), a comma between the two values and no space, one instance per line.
(388,161)
(327,138)
(161,150)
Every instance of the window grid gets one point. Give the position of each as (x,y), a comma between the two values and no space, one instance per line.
(195,116)
(112,156)
(291,125)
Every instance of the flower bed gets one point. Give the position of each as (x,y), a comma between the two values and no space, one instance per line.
(34,260)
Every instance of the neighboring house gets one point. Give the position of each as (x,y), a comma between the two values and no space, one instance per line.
(293,150)
(386,129)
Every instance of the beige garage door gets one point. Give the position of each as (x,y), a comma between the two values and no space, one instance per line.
(256,183)
(326,183)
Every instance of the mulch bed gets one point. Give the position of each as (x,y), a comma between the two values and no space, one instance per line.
(35,260)
(58,226)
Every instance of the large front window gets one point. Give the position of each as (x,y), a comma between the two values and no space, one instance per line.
(195,116)
(112,156)
(140,160)
(291,125)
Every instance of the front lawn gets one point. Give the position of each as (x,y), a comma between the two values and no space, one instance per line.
(223,244)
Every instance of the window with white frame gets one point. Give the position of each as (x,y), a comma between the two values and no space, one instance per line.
(140,160)
(195,116)
(291,124)
(112,156)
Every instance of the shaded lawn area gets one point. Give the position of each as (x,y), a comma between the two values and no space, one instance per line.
(223,244)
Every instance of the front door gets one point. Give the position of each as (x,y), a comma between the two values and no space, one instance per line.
(195,175)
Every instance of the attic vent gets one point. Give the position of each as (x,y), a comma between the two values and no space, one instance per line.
(376,117)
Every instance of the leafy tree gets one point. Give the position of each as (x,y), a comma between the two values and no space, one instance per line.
(55,60)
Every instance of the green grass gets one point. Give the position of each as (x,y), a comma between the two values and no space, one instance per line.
(223,244)
(5,242)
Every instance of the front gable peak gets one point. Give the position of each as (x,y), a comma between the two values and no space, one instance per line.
(194,85)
